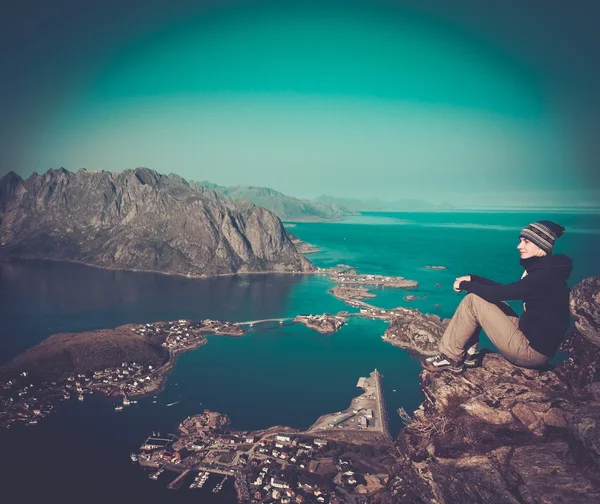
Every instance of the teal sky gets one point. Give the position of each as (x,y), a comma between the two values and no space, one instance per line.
(353,99)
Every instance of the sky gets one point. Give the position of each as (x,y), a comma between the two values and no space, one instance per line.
(475,103)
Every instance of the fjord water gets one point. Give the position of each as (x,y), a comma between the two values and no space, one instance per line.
(286,375)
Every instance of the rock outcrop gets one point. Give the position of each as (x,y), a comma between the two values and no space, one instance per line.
(502,434)
(140,220)
(416,332)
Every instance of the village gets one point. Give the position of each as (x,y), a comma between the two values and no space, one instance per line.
(279,464)
(347,275)
(24,400)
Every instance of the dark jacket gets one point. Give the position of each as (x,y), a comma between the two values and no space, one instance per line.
(545,297)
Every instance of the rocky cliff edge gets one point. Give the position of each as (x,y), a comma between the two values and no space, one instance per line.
(502,434)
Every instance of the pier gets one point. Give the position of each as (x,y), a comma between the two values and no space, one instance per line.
(216,470)
(177,482)
(365,417)
(381,406)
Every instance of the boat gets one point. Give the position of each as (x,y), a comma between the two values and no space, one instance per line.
(80,397)
(133,457)
(202,479)
(174,403)
(155,475)
(119,408)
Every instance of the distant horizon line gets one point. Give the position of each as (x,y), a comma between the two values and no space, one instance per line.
(560,209)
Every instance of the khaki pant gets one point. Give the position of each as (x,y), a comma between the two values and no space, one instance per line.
(500,323)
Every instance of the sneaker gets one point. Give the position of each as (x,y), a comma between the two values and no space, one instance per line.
(472,358)
(441,362)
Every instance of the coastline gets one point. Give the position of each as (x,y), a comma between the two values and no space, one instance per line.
(162,373)
(166,273)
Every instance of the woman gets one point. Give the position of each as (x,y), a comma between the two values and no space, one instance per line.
(529,341)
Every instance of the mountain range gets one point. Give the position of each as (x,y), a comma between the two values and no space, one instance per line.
(140,220)
(287,208)
(323,208)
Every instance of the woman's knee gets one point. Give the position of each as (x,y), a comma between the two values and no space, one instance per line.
(474,299)
(471,299)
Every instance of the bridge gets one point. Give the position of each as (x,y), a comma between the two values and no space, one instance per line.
(252,322)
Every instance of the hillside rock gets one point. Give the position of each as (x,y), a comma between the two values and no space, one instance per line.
(418,333)
(140,220)
(86,352)
(583,341)
(502,434)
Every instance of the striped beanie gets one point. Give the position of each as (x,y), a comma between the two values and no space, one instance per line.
(543,234)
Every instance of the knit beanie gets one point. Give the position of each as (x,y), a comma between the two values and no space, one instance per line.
(543,234)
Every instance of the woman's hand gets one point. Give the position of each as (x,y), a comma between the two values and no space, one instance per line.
(456,285)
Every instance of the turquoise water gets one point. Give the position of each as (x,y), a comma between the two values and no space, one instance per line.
(465,243)
(286,375)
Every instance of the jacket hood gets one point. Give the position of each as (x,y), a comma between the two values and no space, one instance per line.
(558,265)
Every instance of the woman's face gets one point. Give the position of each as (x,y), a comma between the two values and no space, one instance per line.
(529,249)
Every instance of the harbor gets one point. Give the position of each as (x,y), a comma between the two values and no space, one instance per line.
(279,463)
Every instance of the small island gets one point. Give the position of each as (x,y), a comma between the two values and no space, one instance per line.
(412,297)
(346,293)
(325,324)
(350,277)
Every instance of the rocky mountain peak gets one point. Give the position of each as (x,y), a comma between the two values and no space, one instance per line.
(11,191)
(141,220)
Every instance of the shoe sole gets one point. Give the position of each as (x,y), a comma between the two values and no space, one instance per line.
(433,369)
(472,363)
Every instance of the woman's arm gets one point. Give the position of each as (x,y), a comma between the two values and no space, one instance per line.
(483,280)
(529,287)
